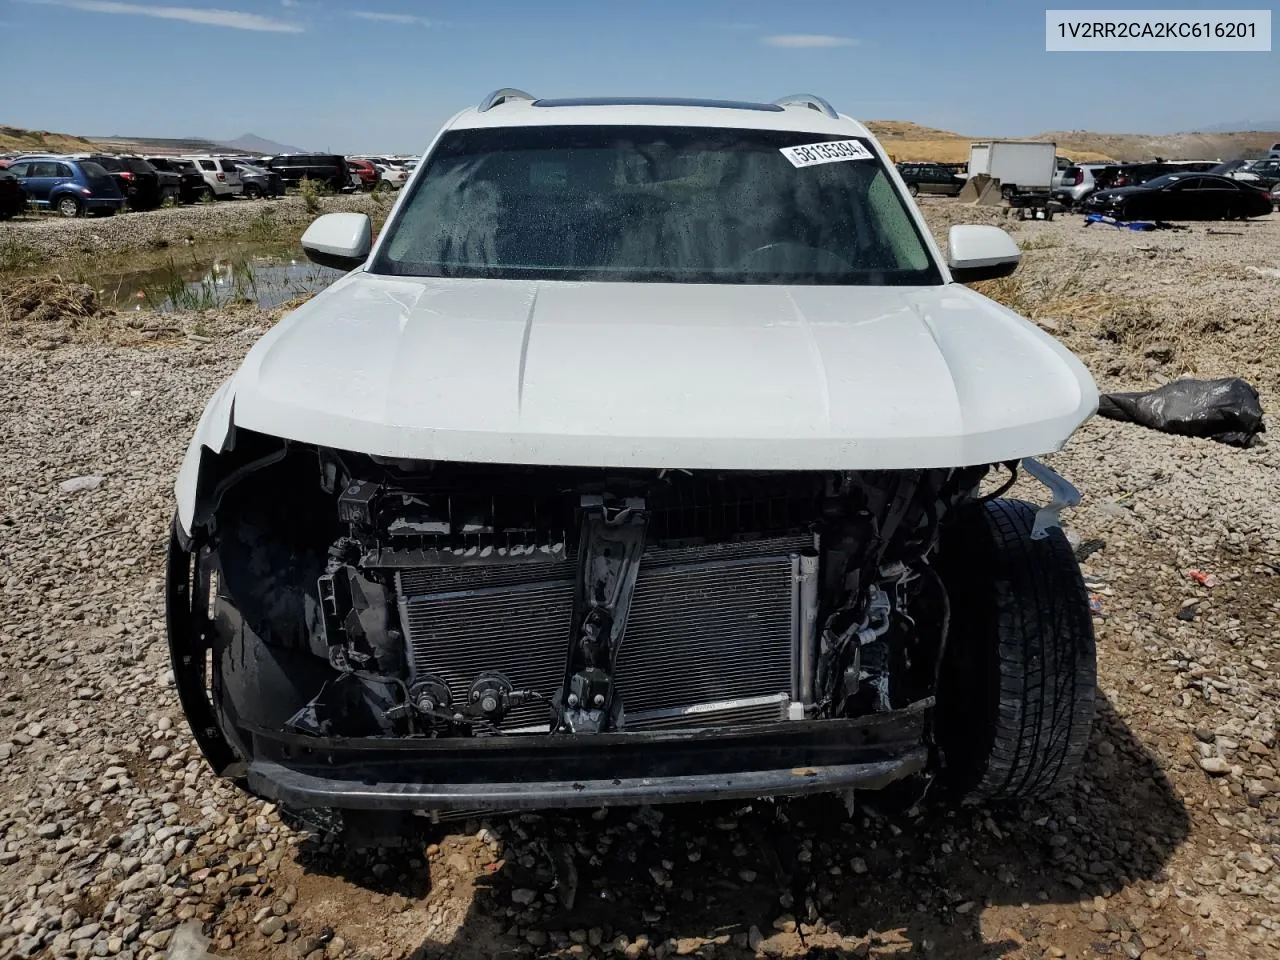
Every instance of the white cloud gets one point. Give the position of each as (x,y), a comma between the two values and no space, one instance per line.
(234,19)
(800,40)
(404,18)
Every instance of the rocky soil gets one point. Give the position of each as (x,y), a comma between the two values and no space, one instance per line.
(116,841)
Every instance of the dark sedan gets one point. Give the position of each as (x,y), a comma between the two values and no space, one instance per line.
(931,178)
(1182,196)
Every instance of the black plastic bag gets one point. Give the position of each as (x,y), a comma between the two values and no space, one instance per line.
(1226,410)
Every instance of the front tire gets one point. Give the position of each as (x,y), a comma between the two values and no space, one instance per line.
(1019,675)
(252,191)
(913,189)
(68,206)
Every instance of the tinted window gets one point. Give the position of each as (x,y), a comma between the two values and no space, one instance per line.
(208,165)
(659,204)
(44,168)
(93,170)
(110,163)
(20,169)
(228,166)
(62,170)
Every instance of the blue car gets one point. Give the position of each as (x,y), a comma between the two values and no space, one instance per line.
(71,187)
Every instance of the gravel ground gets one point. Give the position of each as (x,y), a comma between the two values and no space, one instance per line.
(116,841)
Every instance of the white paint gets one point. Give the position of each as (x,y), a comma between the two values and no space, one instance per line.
(973,245)
(694,376)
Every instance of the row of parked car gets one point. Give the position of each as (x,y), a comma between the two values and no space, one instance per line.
(1164,190)
(1076,183)
(101,184)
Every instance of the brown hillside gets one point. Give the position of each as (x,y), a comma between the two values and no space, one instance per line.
(14,138)
(1175,146)
(903,140)
(910,141)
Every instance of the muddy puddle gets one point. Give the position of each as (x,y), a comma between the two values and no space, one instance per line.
(204,279)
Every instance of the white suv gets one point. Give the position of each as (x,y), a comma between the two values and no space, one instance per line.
(640,459)
(220,175)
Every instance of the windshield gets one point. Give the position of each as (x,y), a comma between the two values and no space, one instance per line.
(663,204)
(92,170)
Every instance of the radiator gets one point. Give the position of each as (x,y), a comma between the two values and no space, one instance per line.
(710,637)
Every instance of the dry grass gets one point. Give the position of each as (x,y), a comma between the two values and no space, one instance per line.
(1070,306)
(1069,298)
(45,312)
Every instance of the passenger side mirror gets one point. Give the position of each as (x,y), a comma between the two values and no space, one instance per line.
(980,253)
(340,240)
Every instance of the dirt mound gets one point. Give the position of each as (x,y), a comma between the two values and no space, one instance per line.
(46,312)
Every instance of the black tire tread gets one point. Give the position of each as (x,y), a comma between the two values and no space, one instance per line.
(1025,602)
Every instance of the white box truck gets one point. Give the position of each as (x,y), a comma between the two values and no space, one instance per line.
(1021,166)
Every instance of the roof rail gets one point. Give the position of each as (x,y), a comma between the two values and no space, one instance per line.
(812,101)
(502,96)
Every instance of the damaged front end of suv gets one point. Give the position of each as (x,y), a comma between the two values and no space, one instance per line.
(653,453)
(358,632)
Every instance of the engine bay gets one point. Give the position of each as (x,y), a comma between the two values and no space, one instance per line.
(441,599)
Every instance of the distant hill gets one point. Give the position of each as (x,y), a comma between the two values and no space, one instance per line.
(1173,146)
(34,141)
(161,145)
(910,141)
(903,140)
(252,143)
(1242,126)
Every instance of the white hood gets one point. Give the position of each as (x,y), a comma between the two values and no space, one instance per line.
(662,375)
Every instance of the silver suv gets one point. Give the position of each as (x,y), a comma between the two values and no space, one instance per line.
(1074,183)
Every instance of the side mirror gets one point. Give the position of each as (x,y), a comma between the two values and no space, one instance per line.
(980,253)
(340,240)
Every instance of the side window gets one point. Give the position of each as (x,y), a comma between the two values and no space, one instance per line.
(44,168)
(62,170)
(21,169)
(208,165)
(228,166)
(895,223)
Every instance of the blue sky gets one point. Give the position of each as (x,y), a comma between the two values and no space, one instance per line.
(382,75)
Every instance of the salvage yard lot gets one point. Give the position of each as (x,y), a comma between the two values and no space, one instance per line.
(113,832)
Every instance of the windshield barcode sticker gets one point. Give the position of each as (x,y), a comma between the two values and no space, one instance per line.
(828,151)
